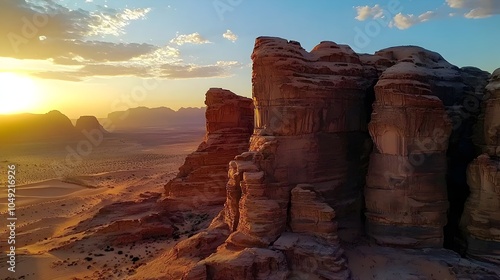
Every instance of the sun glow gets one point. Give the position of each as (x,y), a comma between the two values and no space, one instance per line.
(18,94)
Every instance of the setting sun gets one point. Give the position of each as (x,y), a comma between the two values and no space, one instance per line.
(18,93)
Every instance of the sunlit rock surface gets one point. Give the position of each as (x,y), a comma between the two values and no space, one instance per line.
(202,178)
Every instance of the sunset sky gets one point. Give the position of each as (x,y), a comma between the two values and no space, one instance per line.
(96,56)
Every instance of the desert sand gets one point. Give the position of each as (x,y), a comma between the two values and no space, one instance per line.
(60,217)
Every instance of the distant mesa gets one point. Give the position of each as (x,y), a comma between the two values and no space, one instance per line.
(156,118)
(89,123)
(53,126)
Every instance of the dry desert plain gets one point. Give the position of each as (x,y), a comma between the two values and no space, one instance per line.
(62,221)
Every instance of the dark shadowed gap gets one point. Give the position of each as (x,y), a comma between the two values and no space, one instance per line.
(461,152)
(368,102)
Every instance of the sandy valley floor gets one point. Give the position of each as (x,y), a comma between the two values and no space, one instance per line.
(63,218)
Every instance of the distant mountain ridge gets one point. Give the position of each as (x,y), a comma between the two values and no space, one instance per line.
(53,126)
(36,127)
(161,117)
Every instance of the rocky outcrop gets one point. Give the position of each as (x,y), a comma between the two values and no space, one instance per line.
(422,127)
(89,123)
(311,110)
(310,127)
(247,264)
(406,194)
(202,178)
(312,248)
(298,189)
(481,218)
(492,116)
(180,261)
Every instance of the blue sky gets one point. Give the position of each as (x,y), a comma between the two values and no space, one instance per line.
(91,53)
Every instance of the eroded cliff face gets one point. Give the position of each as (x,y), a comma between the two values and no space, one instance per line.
(311,111)
(422,128)
(406,194)
(310,128)
(202,178)
(481,218)
(298,190)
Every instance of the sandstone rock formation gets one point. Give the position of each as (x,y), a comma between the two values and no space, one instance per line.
(312,248)
(298,189)
(312,108)
(422,127)
(406,196)
(481,218)
(202,178)
(179,262)
(310,127)
(89,123)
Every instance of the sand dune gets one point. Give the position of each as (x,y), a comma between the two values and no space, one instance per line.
(43,191)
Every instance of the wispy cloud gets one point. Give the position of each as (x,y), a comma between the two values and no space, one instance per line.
(219,69)
(64,32)
(367,12)
(402,21)
(66,44)
(174,70)
(193,38)
(229,35)
(476,9)
(107,21)
(472,9)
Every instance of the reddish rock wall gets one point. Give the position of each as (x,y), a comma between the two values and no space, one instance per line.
(203,176)
(481,218)
(406,194)
(299,187)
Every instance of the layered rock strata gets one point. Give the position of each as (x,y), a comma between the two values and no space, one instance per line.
(312,108)
(202,178)
(298,189)
(406,192)
(312,247)
(310,127)
(481,218)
